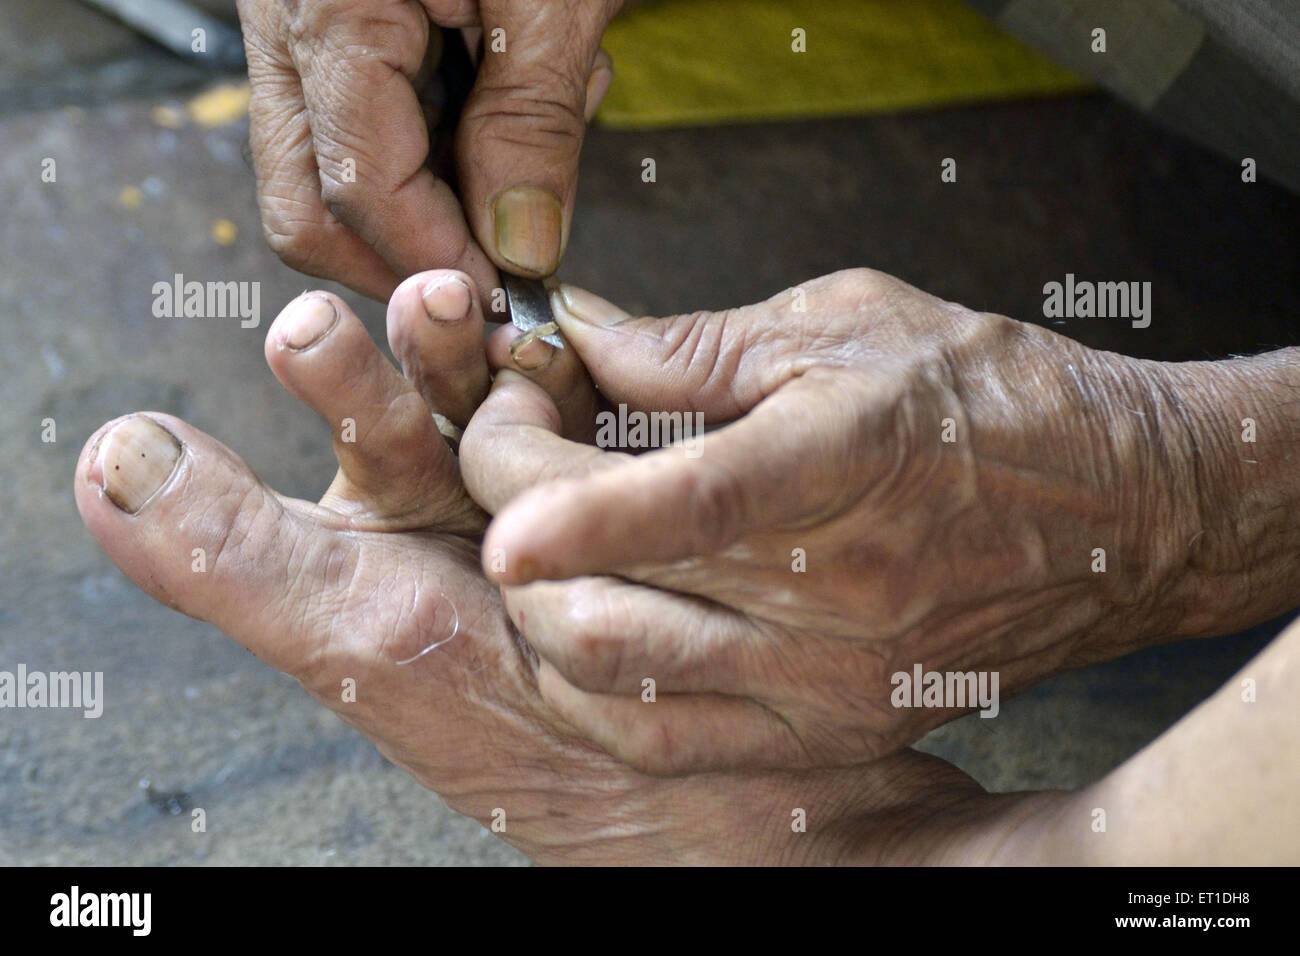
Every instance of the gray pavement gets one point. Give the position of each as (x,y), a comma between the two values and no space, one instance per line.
(1078,184)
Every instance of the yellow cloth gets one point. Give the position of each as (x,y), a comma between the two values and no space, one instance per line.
(683,62)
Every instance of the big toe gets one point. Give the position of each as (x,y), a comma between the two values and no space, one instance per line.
(191,525)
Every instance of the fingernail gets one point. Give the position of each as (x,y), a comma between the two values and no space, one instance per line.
(135,459)
(313,317)
(531,355)
(447,299)
(528,223)
(585,307)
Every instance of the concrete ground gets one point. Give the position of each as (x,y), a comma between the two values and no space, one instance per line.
(1077,185)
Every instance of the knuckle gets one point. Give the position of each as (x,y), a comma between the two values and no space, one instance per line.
(304,22)
(297,243)
(650,747)
(865,279)
(715,509)
(862,281)
(534,116)
(851,291)
(593,654)
(340,197)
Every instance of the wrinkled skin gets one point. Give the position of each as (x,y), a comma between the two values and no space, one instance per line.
(338,593)
(343,590)
(340,139)
(943,475)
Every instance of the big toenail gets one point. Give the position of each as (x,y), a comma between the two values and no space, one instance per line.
(313,317)
(135,459)
(446,299)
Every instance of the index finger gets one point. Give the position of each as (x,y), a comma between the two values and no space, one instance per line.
(690,499)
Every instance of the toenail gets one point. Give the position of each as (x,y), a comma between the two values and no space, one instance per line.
(531,353)
(313,317)
(134,460)
(447,299)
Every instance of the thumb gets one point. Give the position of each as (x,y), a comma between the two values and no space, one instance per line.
(719,363)
(522,129)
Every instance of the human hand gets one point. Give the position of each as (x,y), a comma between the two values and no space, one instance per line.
(340,140)
(906,482)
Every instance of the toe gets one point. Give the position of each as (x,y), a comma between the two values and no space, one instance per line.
(435,329)
(394,465)
(560,374)
(190,524)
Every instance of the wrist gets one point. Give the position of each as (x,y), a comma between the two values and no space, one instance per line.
(1197,531)
(1239,453)
(1128,478)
